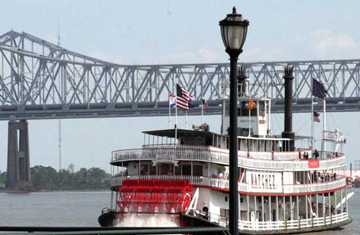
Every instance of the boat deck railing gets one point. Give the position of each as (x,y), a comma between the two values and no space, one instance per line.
(223,184)
(294,224)
(296,160)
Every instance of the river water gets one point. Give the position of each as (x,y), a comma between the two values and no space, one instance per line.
(83,209)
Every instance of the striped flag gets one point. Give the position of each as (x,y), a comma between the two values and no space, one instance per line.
(204,104)
(182,97)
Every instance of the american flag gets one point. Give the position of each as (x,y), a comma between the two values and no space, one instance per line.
(319,89)
(204,104)
(183,97)
(316,117)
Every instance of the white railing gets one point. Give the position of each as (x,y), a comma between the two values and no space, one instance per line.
(292,224)
(276,165)
(245,225)
(334,136)
(219,183)
(259,160)
(315,187)
(189,152)
(260,155)
(286,156)
(331,162)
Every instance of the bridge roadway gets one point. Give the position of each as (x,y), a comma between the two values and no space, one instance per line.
(40,80)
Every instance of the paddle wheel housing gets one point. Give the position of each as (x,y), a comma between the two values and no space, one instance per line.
(163,196)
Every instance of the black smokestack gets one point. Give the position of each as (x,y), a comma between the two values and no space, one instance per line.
(288,133)
(241,81)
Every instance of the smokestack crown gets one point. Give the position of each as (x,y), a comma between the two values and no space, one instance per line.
(288,133)
(242,79)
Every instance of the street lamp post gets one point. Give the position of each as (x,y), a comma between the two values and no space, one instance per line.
(233,32)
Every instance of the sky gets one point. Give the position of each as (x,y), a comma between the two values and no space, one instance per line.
(170,31)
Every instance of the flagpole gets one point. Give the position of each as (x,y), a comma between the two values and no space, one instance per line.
(169,113)
(186,119)
(176,110)
(249,118)
(323,147)
(202,111)
(312,114)
(176,120)
(269,117)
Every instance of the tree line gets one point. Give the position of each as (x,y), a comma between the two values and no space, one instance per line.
(47,178)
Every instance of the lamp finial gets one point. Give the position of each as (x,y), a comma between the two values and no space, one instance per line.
(234,10)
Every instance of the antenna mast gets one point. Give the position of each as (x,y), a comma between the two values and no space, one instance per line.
(59,119)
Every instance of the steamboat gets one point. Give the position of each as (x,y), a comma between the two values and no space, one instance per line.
(285,184)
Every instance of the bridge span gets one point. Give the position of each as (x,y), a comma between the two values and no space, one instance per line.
(41,80)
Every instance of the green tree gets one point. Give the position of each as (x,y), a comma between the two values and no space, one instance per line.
(47,178)
(3,177)
(71,168)
(44,178)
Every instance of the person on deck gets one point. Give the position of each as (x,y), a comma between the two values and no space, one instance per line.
(316,154)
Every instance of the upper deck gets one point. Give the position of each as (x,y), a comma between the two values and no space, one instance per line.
(260,153)
(274,160)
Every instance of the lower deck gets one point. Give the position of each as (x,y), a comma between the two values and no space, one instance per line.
(256,212)
(277,228)
(267,213)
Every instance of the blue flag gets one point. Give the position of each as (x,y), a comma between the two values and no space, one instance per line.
(191,104)
(318,89)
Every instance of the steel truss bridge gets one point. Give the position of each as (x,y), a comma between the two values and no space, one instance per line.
(41,80)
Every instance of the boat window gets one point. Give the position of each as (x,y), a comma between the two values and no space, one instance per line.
(198,170)
(262,108)
(208,141)
(245,111)
(152,170)
(224,212)
(144,169)
(186,169)
(244,108)
(194,141)
(166,169)
(254,112)
(177,170)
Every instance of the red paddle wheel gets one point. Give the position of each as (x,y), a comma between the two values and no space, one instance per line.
(164,196)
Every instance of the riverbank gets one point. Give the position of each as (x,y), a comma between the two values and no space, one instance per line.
(51,191)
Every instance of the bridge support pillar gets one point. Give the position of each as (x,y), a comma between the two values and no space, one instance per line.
(18,168)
